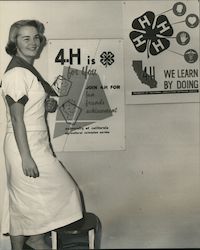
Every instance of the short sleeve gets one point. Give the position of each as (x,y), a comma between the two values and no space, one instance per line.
(16,84)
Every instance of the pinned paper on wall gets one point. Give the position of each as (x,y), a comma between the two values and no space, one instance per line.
(87,76)
(161,46)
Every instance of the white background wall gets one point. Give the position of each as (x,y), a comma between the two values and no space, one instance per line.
(148,195)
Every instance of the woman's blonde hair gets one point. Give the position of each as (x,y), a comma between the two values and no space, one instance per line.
(11,47)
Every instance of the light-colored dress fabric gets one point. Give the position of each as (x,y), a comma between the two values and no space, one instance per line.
(36,205)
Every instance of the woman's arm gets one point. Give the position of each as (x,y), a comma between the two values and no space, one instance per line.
(17,116)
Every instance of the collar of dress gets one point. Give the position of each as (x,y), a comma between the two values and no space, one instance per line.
(17,61)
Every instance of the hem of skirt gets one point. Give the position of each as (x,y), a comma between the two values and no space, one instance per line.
(11,131)
(50,227)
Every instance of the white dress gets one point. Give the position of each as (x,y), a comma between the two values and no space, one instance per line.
(36,205)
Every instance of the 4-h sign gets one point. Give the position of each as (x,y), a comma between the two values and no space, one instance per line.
(87,76)
(161,51)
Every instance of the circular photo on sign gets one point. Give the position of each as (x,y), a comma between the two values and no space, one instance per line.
(192,20)
(183,38)
(191,56)
(179,9)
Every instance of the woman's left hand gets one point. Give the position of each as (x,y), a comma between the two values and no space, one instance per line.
(50,105)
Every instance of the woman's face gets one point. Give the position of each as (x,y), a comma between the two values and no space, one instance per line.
(28,43)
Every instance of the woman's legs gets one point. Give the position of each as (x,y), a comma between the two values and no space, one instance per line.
(17,242)
(37,242)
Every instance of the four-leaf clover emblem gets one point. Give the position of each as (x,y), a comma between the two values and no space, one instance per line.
(151,33)
(107,58)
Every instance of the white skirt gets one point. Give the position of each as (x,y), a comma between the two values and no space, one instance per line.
(38,205)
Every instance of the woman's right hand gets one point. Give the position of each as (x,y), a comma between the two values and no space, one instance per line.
(51,105)
(29,167)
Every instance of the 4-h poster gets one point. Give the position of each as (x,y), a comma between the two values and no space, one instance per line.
(88,78)
(161,51)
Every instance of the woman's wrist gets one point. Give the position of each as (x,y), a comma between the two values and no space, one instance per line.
(26,156)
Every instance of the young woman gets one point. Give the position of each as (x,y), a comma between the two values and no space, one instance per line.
(42,195)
